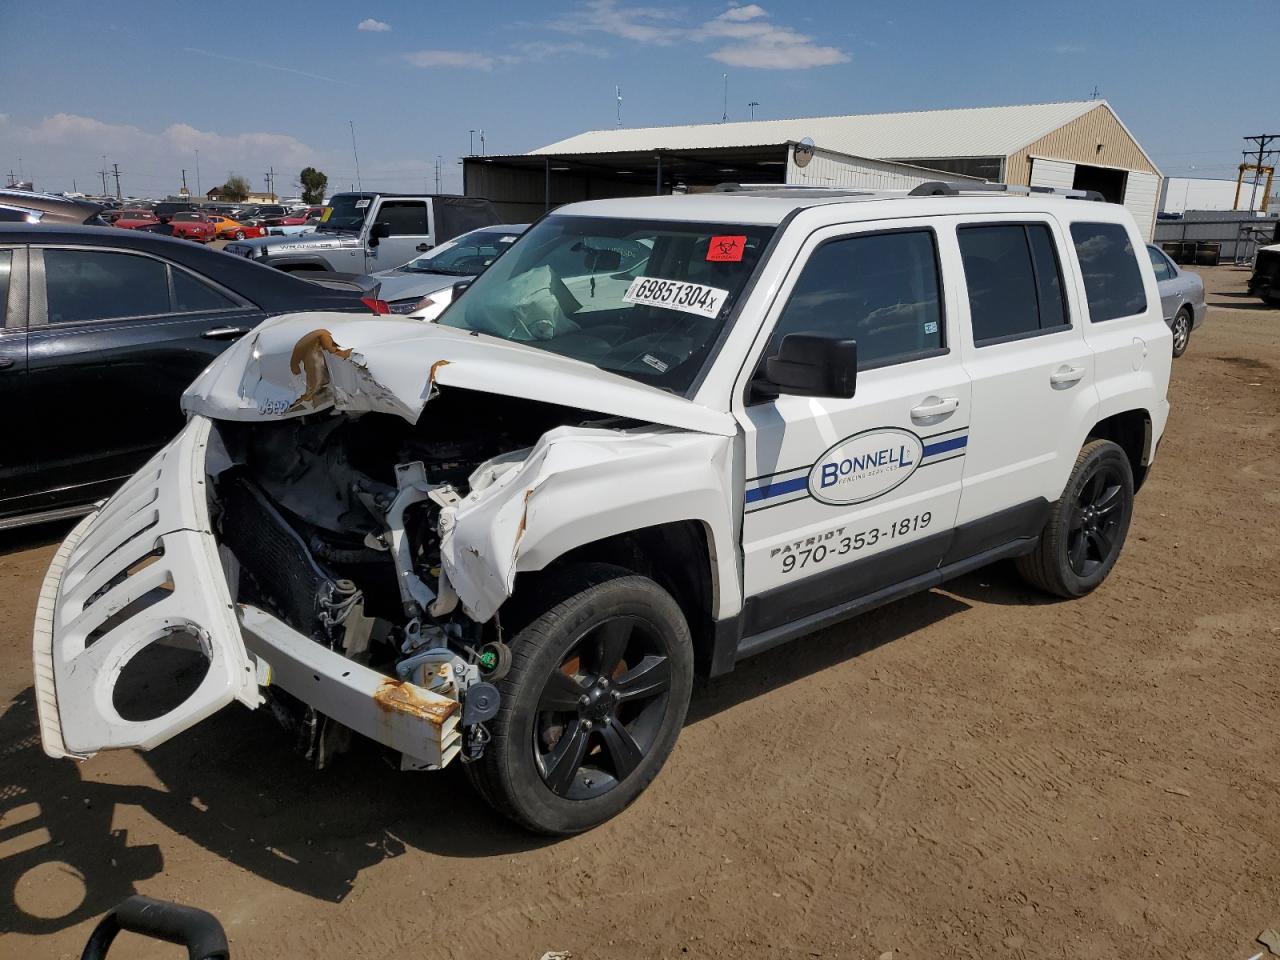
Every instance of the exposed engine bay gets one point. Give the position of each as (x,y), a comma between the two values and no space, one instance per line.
(333,523)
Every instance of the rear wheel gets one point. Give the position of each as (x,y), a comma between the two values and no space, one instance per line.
(1181,327)
(596,695)
(1087,525)
(239,234)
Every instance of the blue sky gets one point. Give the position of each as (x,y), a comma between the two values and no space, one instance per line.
(252,85)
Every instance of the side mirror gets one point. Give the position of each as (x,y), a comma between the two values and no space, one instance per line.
(377,232)
(814,365)
(459,287)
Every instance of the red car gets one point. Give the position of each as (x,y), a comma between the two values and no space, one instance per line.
(289,220)
(189,226)
(136,219)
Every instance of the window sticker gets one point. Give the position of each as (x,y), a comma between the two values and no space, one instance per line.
(324,217)
(931,326)
(361,204)
(676,295)
(655,363)
(726,249)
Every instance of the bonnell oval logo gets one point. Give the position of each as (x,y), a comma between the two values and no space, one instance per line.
(865,466)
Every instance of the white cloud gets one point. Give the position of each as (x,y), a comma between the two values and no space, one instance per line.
(756,42)
(371,25)
(151,161)
(539,50)
(641,24)
(464,59)
(751,11)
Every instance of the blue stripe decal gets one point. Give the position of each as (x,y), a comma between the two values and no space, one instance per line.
(942,446)
(777,489)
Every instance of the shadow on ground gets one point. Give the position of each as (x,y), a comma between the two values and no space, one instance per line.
(234,786)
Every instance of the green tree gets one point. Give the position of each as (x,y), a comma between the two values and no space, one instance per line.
(235,188)
(314,184)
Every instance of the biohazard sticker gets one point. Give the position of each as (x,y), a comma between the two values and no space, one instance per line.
(726,249)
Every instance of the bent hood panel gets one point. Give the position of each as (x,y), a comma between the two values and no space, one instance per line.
(309,362)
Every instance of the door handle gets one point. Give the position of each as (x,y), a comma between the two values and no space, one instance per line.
(423,247)
(6,363)
(934,408)
(225,333)
(1066,376)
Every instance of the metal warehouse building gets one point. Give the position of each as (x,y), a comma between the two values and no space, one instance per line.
(1079,144)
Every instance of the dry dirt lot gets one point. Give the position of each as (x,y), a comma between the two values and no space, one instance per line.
(975,772)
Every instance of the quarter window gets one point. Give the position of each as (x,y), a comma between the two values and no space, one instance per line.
(879,289)
(83,285)
(1015,285)
(1160,265)
(1112,280)
(190,295)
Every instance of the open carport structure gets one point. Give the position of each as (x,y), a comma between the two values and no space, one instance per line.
(1080,144)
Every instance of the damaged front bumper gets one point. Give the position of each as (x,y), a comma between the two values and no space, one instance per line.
(145,572)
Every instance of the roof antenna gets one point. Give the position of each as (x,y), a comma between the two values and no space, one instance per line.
(359,182)
(724,117)
(1095,92)
(617,92)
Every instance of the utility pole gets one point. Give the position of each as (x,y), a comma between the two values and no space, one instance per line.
(482,142)
(198,189)
(1258,157)
(472,151)
(752,107)
(116,169)
(437,173)
(103,171)
(271,177)
(184,182)
(13,178)
(724,117)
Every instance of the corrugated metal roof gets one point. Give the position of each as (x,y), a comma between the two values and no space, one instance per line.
(967,132)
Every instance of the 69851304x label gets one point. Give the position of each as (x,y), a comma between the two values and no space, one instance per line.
(676,295)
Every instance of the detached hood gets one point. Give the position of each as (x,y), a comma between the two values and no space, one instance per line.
(308,362)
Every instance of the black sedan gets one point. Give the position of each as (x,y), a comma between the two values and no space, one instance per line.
(100,332)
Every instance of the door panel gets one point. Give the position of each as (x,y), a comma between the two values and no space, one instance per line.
(409,231)
(108,389)
(1033,383)
(832,484)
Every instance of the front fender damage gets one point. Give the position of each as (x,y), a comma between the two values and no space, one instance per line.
(576,486)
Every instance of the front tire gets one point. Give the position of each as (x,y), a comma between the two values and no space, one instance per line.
(1087,524)
(239,234)
(596,695)
(1181,328)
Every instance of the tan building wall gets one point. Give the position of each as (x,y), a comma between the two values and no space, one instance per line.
(1077,141)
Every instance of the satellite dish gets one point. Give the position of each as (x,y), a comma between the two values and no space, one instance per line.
(803,152)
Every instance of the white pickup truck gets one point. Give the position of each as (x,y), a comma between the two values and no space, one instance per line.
(512,536)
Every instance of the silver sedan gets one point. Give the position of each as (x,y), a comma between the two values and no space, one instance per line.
(1181,298)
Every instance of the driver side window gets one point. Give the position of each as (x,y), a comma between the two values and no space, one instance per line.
(881,290)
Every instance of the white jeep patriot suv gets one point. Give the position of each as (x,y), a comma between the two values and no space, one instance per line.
(657,436)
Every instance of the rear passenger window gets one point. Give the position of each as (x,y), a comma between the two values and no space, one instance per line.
(1159,264)
(878,289)
(1015,284)
(1112,280)
(86,285)
(190,295)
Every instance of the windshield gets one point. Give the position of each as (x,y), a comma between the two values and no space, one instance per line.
(346,211)
(644,299)
(467,255)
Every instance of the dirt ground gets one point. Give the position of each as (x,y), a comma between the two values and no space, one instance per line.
(974,772)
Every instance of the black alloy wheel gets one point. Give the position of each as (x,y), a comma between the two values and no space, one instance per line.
(1092,534)
(601,710)
(599,685)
